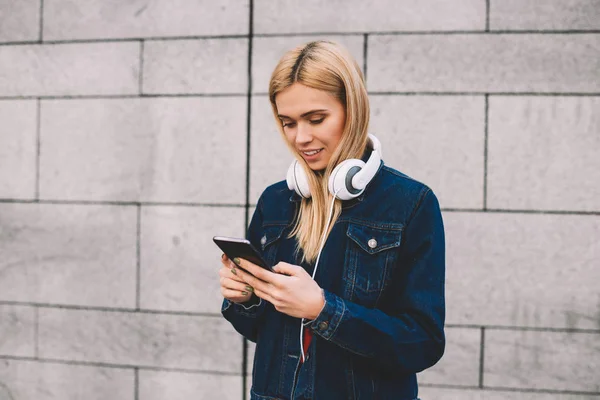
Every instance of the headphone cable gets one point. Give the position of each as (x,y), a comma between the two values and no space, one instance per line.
(315,270)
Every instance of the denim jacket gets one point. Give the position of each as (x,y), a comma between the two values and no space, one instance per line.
(382,270)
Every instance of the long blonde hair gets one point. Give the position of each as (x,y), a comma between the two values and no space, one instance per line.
(326,66)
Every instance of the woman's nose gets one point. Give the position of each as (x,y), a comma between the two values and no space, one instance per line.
(303,134)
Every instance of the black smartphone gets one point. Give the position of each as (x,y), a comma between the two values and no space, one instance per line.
(242,248)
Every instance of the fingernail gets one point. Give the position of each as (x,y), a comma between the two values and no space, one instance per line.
(250,288)
(223,256)
(233,271)
(245,293)
(236,261)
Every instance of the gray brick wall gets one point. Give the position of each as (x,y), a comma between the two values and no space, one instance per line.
(134,131)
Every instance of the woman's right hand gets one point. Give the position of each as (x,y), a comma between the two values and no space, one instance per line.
(233,288)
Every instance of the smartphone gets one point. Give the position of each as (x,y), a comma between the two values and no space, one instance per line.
(242,248)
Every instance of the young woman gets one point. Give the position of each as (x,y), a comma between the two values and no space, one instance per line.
(355,307)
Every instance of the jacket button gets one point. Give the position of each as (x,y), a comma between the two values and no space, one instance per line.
(323,325)
(372,243)
(263,240)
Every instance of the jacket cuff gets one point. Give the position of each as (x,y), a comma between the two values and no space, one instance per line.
(332,314)
(248,308)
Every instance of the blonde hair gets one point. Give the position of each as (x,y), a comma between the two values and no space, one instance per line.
(326,66)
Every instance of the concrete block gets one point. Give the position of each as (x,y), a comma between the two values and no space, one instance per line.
(545,15)
(70,69)
(460,363)
(165,150)
(100,19)
(142,339)
(267,51)
(438,140)
(196,66)
(542,360)
(436,393)
(484,63)
(68,254)
(250,365)
(18,149)
(359,16)
(25,380)
(185,386)
(269,155)
(526,270)
(19,20)
(179,261)
(17,324)
(543,153)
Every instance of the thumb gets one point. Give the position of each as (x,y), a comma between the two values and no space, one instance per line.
(288,269)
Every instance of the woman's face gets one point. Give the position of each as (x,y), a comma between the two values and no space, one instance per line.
(313,122)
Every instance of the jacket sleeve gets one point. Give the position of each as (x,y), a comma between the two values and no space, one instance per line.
(246,317)
(407,335)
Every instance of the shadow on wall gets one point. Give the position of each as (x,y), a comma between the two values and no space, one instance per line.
(5,393)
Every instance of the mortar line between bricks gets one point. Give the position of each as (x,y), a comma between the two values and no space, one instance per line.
(136,383)
(481,356)
(138,274)
(485,150)
(487,15)
(244,365)
(41,23)
(126,96)
(118,203)
(365,54)
(298,34)
(111,309)
(259,94)
(38,129)
(516,211)
(508,389)
(141,71)
(119,40)
(516,93)
(36,333)
(524,328)
(118,366)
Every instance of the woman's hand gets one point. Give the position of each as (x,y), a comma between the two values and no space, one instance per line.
(233,287)
(291,289)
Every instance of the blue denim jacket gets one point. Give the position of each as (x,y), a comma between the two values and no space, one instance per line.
(382,271)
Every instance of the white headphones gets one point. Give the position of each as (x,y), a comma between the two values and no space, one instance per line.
(348,179)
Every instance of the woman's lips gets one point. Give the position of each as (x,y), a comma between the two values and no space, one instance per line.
(311,155)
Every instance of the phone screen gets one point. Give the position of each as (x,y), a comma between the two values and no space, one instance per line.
(242,248)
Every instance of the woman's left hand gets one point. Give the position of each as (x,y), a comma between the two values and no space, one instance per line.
(291,289)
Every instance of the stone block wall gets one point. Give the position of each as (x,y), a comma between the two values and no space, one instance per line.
(133,131)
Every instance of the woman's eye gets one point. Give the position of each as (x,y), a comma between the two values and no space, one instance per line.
(289,124)
(317,121)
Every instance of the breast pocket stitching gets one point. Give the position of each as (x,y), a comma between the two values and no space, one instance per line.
(269,241)
(369,255)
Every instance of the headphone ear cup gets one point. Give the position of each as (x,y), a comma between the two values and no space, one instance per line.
(296,180)
(340,180)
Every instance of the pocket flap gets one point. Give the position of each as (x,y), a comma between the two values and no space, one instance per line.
(271,233)
(373,239)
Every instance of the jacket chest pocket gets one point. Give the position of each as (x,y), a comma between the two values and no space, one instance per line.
(370,253)
(270,240)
